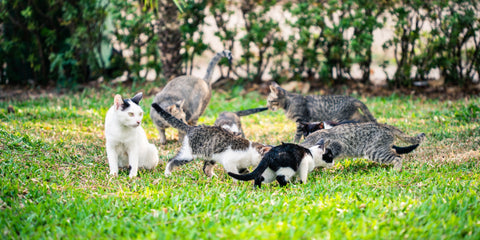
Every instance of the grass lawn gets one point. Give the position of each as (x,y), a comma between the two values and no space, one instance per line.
(54,180)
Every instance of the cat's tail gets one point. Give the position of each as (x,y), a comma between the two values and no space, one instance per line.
(366,113)
(262,166)
(406,138)
(250,111)
(175,122)
(223,54)
(404,150)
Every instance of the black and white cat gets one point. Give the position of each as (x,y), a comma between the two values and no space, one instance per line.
(214,144)
(126,141)
(285,161)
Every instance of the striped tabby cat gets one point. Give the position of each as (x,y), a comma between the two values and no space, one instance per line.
(231,120)
(214,143)
(301,108)
(370,140)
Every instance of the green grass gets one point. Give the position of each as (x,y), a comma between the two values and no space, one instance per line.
(55,184)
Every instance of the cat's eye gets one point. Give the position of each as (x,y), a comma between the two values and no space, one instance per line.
(131,114)
(141,114)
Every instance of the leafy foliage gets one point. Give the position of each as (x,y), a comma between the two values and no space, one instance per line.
(65,42)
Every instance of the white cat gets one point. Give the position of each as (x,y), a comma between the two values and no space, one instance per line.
(127,143)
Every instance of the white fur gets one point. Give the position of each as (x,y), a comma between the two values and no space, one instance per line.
(232,128)
(327,126)
(230,159)
(307,165)
(126,141)
(233,160)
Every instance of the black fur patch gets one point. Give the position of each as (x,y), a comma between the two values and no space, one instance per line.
(125,104)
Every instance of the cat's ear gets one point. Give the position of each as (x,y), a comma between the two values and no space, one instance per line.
(274,84)
(322,144)
(136,99)
(180,104)
(277,90)
(117,101)
(265,149)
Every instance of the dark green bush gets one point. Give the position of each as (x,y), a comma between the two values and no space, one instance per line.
(51,41)
(47,42)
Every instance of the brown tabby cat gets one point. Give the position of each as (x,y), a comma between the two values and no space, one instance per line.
(218,145)
(231,120)
(370,140)
(316,108)
(186,98)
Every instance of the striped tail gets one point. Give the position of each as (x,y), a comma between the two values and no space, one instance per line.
(225,53)
(363,108)
(412,140)
(404,150)
(262,166)
(250,111)
(175,122)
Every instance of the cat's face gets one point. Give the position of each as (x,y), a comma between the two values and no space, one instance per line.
(177,111)
(128,112)
(276,98)
(318,151)
(308,128)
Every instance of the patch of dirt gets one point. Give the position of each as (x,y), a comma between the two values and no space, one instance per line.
(444,92)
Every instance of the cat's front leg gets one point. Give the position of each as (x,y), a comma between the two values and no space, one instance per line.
(163,137)
(303,171)
(181,135)
(299,133)
(112,157)
(208,168)
(133,161)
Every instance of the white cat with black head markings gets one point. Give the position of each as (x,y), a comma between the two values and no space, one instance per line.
(285,161)
(127,144)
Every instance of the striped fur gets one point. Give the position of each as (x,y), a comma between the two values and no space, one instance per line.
(370,140)
(301,108)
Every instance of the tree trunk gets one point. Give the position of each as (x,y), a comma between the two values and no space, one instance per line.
(170,39)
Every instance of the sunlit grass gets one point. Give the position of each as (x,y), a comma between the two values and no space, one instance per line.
(54,181)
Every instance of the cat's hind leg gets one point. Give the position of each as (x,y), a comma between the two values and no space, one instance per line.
(175,162)
(387,156)
(282,180)
(184,156)
(150,157)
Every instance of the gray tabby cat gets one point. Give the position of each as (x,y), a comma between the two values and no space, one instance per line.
(316,108)
(231,120)
(186,98)
(369,140)
(218,145)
